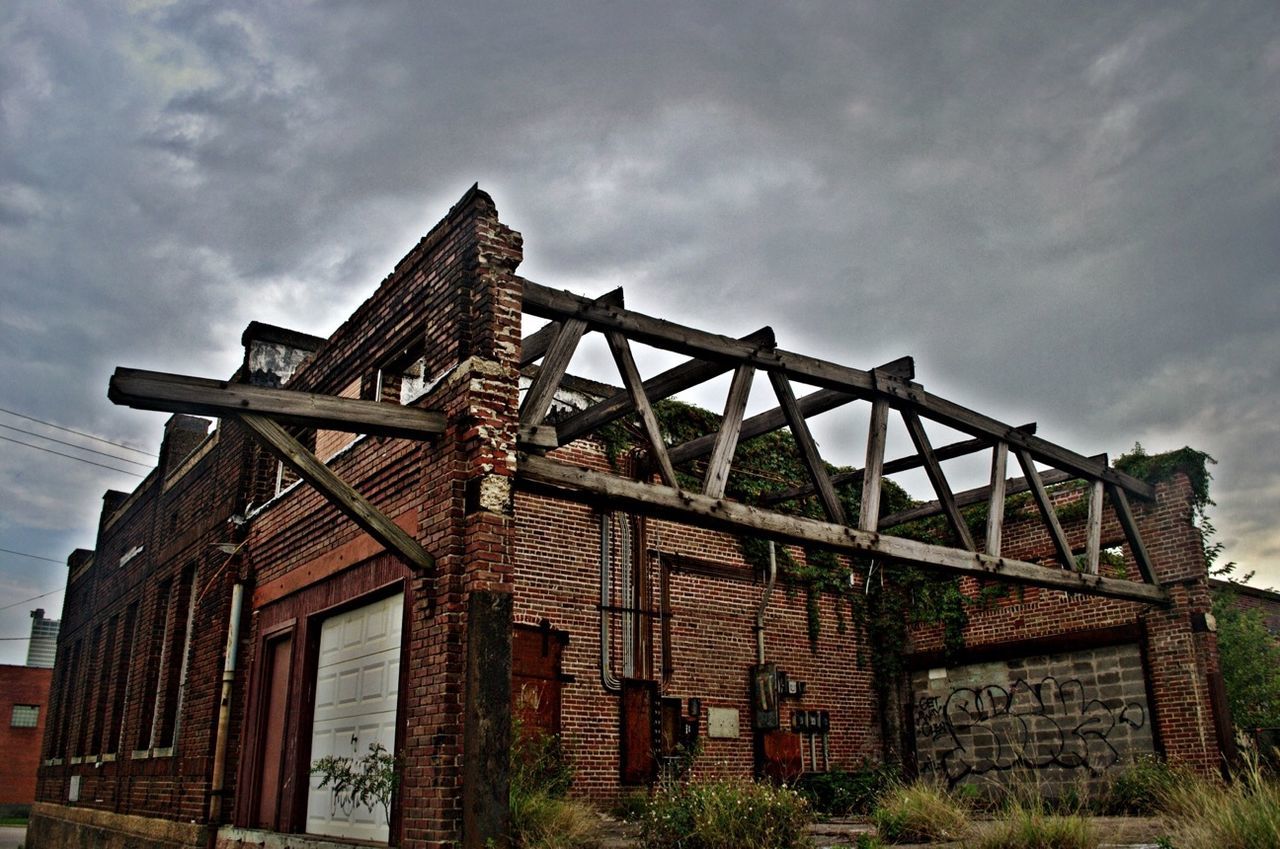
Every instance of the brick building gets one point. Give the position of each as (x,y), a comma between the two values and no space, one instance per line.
(24,696)
(235,623)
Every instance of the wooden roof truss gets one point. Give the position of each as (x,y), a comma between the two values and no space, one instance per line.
(888,388)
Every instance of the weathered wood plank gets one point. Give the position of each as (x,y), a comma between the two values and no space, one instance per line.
(548,477)
(534,346)
(656,388)
(542,438)
(995,500)
(550,303)
(762,423)
(176,393)
(900,464)
(1041,496)
(727,437)
(537,401)
(621,350)
(1093,544)
(1120,502)
(933,469)
(341,495)
(808,447)
(969,497)
(873,471)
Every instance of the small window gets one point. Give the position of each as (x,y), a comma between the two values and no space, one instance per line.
(25,716)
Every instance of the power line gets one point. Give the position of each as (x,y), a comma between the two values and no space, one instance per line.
(32,556)
(33,598)
(73,445)
(71,457)
(77,432)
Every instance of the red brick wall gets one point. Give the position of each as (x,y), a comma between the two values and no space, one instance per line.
(20,747)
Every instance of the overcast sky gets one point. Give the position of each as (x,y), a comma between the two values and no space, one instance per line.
(1068,213)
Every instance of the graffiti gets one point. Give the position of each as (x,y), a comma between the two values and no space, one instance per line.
(993,729)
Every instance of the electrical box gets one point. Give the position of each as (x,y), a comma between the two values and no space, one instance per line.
(764,699)
(722,722)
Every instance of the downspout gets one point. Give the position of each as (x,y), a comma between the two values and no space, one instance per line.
(224,706)
(764,603)
(607,679)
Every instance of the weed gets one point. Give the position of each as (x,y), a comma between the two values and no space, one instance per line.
(840,793)
(919,813)
(1242,815)
(1031,826)
(725,814)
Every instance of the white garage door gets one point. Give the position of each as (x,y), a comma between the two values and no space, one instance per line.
(357,683)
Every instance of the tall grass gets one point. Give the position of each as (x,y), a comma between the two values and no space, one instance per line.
(541,816)
(919,813)
(1241,815)
(1030,825)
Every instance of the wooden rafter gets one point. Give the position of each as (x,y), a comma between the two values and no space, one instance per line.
(296,456)
(176,393)
(727,437)
(1041,496)
(979,495)
(1130,527)
(933,469)
(873,471)
(558,305)
(1093,545)
(546,476)
(808,447)
(537,401)
(900,464)
(534,346)
(995,498)
(656,388)
(631,379)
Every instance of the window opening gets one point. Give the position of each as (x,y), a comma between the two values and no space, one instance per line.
(25,716)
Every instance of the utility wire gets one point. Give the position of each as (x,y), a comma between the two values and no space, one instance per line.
(33,598)
(71,457)
(73,445)
(32,556)
(77,432)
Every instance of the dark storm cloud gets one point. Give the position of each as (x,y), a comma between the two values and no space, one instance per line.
(1066,212)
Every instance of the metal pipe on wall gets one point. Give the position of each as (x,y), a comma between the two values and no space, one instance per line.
(224,705)
(764,603)
(607,679)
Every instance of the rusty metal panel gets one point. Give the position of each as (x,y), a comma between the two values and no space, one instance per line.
(639,715)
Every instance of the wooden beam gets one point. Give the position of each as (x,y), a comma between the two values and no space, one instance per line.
(933,469)
(534,346)
(537,401)
(762,423)
(727,437)
(808,447)
(901,464)
(969,497)
(1041,496)
(1130,526)
(995,500)
(176,393)
(656,388)
(544,476)
(550,303)
(621,351)
(294,455)
(1093,545)
(873,471)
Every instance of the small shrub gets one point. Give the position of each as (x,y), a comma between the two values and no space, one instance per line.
(1208,815)
(725,814)
(360,782)
(838,793)
(1137,788)
(631,807)
(1024,826)
(919,813)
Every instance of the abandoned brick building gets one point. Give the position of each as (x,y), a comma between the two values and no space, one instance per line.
(409,531)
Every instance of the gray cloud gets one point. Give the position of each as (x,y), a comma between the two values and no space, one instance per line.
(1065,212)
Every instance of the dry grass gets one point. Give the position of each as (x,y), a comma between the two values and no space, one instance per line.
(1207,815)
(1031,826)
(919,813)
